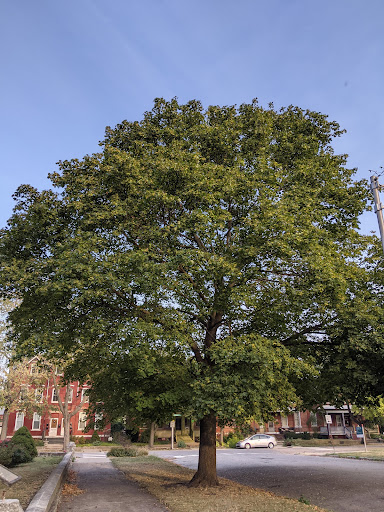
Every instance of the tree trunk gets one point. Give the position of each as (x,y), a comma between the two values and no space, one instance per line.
(5,425)
(205,475)
(152,435)
(66,432)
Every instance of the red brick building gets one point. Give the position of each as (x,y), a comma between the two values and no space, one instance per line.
(47,422)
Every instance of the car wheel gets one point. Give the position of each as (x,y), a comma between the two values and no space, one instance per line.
(271,445)
(247,446)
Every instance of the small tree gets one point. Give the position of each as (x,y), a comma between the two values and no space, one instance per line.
(64,404)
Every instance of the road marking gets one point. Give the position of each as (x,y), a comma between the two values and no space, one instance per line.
(91,455)
(184,456)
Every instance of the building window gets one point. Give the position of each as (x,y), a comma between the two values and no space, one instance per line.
(98,419)
(271,426)
(313,418)
(36,421)
(284,421)
(84,395)
(297,418)
(39,395)
(23,393)
(55,398)
(34,369)
(82,420)
(70,395)
(19,420)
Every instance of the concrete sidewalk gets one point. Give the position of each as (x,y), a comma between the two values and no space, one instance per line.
(106,488)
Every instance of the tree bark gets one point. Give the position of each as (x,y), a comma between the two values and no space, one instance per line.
(5,425)
(67,432)
(152,435)
(205,475)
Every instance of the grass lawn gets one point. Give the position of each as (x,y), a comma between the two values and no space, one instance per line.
(375,454)
(325,442)
(166,481)
(33,475)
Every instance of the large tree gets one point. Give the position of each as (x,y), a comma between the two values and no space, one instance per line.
(226,238)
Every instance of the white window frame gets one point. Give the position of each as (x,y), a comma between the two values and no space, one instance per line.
(70,395)
(313,418)
(82,421)
(297,418)
(86,396)
(98,417)
(284,421)
(54,394)
(36,419)
(17,420)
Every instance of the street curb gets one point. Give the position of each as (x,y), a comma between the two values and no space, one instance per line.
(46,498)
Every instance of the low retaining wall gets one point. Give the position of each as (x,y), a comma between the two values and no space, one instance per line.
(46,498)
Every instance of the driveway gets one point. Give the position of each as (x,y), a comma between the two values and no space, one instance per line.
(340,485)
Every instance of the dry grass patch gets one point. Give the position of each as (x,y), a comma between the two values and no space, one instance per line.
(166,481)
(371,454)
(33,475)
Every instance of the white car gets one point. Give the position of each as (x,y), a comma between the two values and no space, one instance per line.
(257,441)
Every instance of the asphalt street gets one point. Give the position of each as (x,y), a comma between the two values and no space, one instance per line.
(339,485)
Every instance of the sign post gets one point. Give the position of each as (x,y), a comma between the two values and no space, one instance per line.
(328,420)
(172,425)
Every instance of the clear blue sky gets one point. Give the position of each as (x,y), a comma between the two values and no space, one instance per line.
(70,68)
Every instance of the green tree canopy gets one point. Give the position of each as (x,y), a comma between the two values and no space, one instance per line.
(223,239)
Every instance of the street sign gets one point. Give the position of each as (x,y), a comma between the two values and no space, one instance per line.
(172,424)
(328,419)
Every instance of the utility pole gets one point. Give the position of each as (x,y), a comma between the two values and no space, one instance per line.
(375,187)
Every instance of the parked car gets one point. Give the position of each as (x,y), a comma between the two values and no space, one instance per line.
(257,441)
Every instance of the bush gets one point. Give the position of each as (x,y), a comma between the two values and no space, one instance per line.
(22,437)
(232,442)
(96,443)
(20,455)
(144,436)
(81,440)
(38,442)
(181,444)
(297,435)
(289,442)
(6,456)
(126,452)
(95,437)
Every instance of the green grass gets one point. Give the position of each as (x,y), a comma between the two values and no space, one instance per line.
(167,482)
(33,475)
(324,442)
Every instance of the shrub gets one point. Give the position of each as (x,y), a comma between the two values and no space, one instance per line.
(20,455)
(116,452)
(81,440)
(126,452)
(38,442)
(181,444)
(289,442)
(232,442)
(22,437)
(95,437)
(96,443)
(145,435)
(6,456)
(297,435)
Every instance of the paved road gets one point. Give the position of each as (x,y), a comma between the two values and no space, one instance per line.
(340,485)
